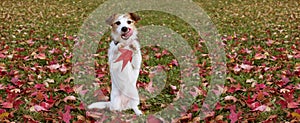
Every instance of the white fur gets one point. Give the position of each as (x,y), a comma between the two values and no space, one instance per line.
(124,93)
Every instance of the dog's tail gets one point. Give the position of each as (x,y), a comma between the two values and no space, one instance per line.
(99,105)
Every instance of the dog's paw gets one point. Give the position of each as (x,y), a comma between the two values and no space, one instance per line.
(98,105)
(121,45)
(131,46)
(139,112)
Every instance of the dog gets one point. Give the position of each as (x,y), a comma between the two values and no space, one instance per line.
(124,58)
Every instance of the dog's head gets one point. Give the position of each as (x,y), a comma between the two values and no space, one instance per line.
(123,26)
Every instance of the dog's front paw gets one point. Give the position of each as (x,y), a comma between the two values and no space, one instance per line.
(131,46)
(121,45)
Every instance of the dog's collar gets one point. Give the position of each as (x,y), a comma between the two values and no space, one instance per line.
(116,42)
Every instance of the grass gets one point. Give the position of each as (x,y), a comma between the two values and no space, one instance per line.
(255,20)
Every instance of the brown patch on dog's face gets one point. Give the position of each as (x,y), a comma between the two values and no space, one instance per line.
(111,19)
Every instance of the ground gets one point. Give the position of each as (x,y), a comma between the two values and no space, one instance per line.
(261,40)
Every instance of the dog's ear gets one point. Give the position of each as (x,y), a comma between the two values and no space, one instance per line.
(134,17)
(110,20)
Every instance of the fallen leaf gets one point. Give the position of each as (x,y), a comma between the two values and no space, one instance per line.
(295,114)
(230,98)
(4,115)
(195,108)
(250,80)
(150,87)
(63,68)
(292,105)
(236,68)
(53,67)
(39,108)
(153,119)
(246,66)
(219,117)
(260,56)
(7,105)
(233,115)
(49,80)
(174,62)
(40,56)
(72,98)
(67,116)
(262,108)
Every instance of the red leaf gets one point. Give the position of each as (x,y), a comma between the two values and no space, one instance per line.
(260,86)
(53,67)
(78,89)
(260,56)
(158,55)
(63,68)
(230,98)
(30,42)
(50,99)
(270,42)
(7,105)
(174,62)
(234,88)
(165,52)
(254,105)
(67,116)
(285,80)
(17,103)
(260,108)
(69,98)
(15,81)
(2,86)
(150,87)
(196,92)
(100,75)
(233,115)
(246,67)
(292,105)
(195,108)
(66,88)
(218,106)
(40,56)
(40,87)
(153,119)
(236,68)
(39,108)
(282,103)
(2,56)
(126,55)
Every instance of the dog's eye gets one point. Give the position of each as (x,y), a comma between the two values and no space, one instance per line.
(118,22)
(129,22)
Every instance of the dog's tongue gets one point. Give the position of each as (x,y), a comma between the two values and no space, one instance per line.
(127,34)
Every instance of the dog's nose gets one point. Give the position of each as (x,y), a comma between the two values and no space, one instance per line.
(124,29)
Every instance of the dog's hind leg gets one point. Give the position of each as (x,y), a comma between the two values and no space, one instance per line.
(99,105)
(137,111)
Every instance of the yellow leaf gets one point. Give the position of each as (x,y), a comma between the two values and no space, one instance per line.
(3,115)
(294,114)
(68,60)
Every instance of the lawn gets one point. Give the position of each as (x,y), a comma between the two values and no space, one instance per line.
(261,41)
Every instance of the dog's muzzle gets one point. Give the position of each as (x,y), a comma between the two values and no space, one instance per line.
(127,32)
